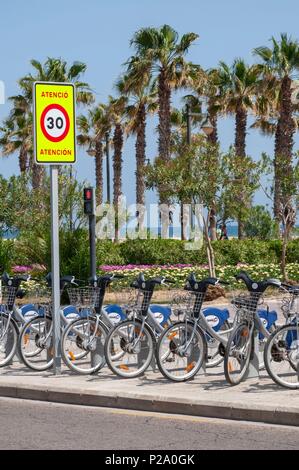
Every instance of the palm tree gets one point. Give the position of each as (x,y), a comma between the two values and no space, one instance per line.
(160,53)
(116,112)
(14,138)
(238,87)
(142,97)
(279,63)
(93,128)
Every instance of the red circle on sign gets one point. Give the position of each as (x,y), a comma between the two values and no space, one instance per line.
(67,122)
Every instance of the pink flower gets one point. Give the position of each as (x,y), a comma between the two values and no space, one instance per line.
(126,267)
(21,269)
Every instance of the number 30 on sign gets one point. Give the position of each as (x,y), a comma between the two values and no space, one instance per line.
(54,123)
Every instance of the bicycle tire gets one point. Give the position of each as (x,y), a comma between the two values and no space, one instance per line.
(124,370)
(48,350)
(273,354)
(14,339)
(189,366)
(70,358)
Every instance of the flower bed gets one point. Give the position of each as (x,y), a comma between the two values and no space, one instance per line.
(179,273)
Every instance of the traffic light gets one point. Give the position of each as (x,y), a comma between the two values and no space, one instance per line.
(89,201)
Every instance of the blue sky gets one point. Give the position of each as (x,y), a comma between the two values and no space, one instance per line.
(97,32)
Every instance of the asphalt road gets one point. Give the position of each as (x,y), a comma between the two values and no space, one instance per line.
(28,424)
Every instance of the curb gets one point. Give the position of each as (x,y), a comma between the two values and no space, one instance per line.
(209,409)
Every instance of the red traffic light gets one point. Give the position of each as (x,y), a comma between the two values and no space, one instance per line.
(88,194)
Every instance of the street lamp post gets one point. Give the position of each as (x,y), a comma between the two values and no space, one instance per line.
(207,128)
(108,167)
(92,152)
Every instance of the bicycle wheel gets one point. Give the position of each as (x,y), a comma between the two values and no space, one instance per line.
(82,345)
(281,356)
(129,349)
(36,344)
(181,350)
(237,354)
(214,356)
(8,339)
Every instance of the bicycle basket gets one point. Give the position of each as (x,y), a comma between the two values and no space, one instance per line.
(194,302)
(246,305)
(142,300)
(290,305)
(186,302)
(8,295)
(85,297)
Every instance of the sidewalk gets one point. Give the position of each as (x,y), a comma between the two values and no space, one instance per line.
(257,400)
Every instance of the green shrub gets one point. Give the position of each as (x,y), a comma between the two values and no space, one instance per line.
(293,251)
(74,253)
(7,251)
(259,224)
(109,253)
(160,252)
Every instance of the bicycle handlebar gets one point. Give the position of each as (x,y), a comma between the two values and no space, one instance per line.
(166,280)
(257,286)
(14,281)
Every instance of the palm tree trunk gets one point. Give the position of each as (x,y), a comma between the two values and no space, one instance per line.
(37,176)
(277,152)
(284,140)
(213,137)
(164,127)
(140,164)
(240,147)
(240,131)
(213,140)
(99,172)
(140,156)
(117,170)
(23,157)
(164,116)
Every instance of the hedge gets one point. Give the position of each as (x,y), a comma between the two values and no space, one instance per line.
(74,253)
(161,252)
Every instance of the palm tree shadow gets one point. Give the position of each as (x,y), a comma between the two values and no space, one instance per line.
(258,387)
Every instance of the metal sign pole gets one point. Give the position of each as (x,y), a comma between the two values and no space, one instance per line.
(55,270)
(92,244)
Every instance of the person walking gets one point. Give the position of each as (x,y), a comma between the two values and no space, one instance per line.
(223,235)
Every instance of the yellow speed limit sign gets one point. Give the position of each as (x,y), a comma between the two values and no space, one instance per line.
(54,117)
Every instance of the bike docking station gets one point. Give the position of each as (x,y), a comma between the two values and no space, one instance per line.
(54,133)
(97,353)
(253,367)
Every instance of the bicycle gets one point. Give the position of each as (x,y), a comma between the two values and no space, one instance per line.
(9,325)
(240,346)
(183,348)
(129,347)
(35,342)
(281,353)
(82,342)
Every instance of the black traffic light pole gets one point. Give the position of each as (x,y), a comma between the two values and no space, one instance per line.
(90,210)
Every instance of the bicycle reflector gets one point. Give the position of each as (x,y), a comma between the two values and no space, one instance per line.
(89,201)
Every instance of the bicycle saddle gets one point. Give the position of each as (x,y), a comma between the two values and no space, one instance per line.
(103,281)
(149,284)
